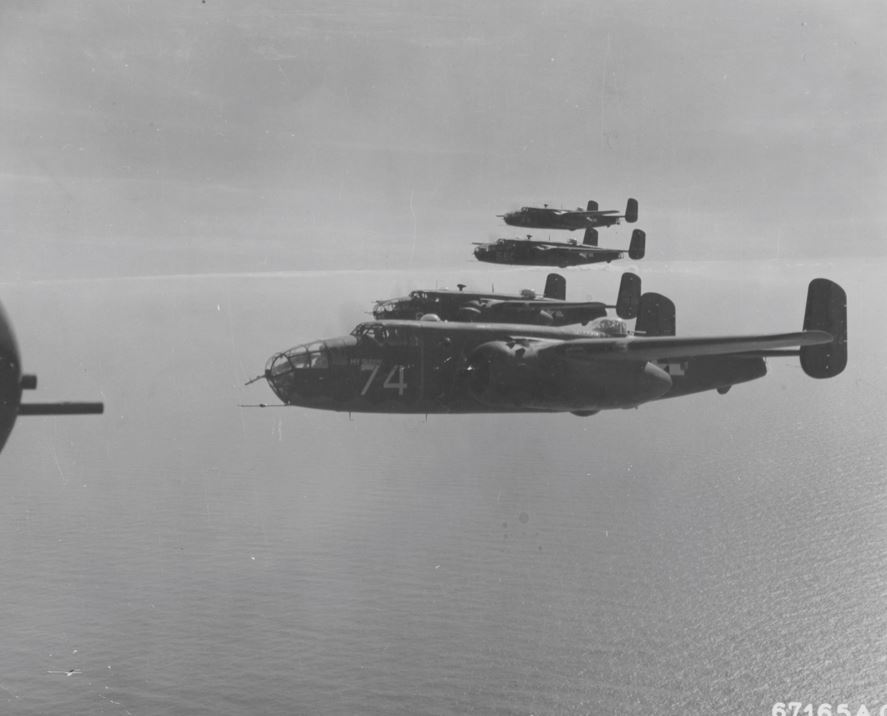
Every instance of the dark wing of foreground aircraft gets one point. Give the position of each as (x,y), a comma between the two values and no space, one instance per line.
(12,383)
(550,310)
(526,252)
(439,367)
(533,217)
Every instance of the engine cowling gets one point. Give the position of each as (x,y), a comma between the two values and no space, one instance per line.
(517,375)
(512,374)
(469,313)
(545,318)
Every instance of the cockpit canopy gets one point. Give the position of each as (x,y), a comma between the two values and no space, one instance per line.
(389,307)
(384,335)
(287,371)
(312,355)
(610,327)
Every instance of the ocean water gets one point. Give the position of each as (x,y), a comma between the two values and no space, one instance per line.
(712,554)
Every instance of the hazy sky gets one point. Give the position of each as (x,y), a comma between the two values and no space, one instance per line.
(177,137)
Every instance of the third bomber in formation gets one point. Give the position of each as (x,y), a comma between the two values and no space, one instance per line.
(530,252)
(552,309)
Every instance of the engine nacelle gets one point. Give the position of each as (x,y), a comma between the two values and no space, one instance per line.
(545,318)
(511,374)
(468,313)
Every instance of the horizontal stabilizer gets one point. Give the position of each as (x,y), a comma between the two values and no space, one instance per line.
(629,298)
(61,409)
(668,347)
(556,287)
(638,246)
(826,311)
(631,211)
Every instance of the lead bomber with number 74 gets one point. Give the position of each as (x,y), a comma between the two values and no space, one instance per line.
(432,366)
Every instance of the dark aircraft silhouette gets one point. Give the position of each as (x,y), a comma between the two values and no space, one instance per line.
(439,367)
(533,217)
(527,252)
(12,383)
(551,310)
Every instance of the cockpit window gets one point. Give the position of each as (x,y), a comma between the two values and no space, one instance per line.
(611,327)
(314,355)
(317,356)
(384,335)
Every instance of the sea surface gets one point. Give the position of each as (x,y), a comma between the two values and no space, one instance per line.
(183,555)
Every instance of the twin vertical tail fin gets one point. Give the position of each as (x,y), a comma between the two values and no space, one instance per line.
(638,246)
(629,298)
(826,311)
(656,316)
(631,211)
(590,238)
(556,287)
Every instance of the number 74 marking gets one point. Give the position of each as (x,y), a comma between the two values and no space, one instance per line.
(400,385)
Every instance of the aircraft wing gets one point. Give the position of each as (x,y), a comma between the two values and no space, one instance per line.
(553,305)
(669,347)
(580,248)
(507,306)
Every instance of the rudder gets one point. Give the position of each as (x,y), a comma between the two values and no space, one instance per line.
(631,211)
(656,316)
(556,287)
(629,298)
(638,246)
(826,311)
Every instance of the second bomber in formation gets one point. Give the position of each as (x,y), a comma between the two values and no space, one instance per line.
(530,252)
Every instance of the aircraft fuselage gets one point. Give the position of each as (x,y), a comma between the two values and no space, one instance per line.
(442,367)
(489,308)
(539,218)
(543,253)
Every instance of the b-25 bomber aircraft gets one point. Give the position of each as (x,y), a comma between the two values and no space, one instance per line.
(534,217)
(444,367)
(13,382)
(551,310)
(527,252)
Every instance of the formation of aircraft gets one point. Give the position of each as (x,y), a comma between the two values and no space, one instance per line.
(589,219)
(532,217)
(552,309)
(13,382)
(467,352)
(527,252)
(433,366)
